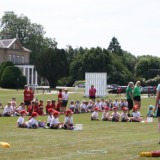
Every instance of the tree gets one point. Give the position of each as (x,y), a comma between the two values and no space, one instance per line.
(4,65)
(93,60)
(52,64)
(10,77)
(145,66)
(114,46)
(31,35)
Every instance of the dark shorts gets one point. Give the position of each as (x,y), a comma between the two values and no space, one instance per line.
(64,103)
(158,112)
(130,104)
(137,98)
(27,103)
(92,97)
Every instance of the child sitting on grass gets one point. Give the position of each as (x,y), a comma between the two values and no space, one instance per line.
(94,115)
(50,116)
(124,115)
(20,121)
(150,111)
(32,123)
(136,116)
(105,114)
(68,121)
(55,124)
(72,106)
(115,116)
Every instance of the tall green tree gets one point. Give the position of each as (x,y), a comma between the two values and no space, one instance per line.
(93,60)
(147,66)
(52,64)
(114,46)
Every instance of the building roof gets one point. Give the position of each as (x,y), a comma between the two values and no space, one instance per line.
(7,43)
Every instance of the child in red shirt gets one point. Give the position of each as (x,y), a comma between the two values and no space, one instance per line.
(53,104)
(59,105)
(36,107)
(48,105)
(60,94)
(31,108)
(40,108)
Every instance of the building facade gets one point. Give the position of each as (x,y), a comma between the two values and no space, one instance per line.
(12,50)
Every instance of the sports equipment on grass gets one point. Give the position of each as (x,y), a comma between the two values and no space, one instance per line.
(5,144)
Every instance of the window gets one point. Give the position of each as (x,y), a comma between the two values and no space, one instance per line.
(9,58)
(18,60)
(22,59)
(13,59)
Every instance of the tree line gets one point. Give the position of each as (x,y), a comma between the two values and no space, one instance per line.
(64,66)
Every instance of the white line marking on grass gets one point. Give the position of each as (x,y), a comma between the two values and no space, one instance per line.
(92,151)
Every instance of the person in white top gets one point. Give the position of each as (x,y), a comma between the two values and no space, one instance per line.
(32,123)
(103,104)
(19,109)
(20,121)
(55,124)
(8,110)
(116,103)
(90,106)
(115,116)
(83,107)
(94,115)
(68,120)
(124,115)
(65,98)
(105,114)
(50,116)
(98,104)
(77,106)
(136,114)
(72,106)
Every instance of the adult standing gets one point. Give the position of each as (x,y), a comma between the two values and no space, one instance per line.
(137,94)
(26,93)
(92,92)
(129,95)
(157,106)
(65,98)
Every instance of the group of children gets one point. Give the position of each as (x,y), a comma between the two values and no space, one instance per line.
(115,116)
(52,120)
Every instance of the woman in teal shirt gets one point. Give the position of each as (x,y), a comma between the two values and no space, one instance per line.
(137,94)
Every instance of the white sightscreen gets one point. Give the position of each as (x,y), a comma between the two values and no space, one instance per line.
(99,80)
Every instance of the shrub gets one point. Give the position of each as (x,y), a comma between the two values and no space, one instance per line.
(65,81)
(2,68)
(10,76)
(22,81)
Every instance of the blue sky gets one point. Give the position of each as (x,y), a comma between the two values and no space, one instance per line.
(92,23)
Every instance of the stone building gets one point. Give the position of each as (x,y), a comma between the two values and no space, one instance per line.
(12,50)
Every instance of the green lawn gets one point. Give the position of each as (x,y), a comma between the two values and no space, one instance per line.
(98,140)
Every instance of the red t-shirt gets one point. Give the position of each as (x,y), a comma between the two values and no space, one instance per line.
(53,105)
(59,105)
(31,95)
(26,95)
(92,92)
(47,107)
(60,95)
(30,109)
(36,108)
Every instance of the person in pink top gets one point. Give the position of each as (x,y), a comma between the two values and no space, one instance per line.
(92,92)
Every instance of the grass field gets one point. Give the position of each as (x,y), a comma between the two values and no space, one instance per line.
(98,140)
